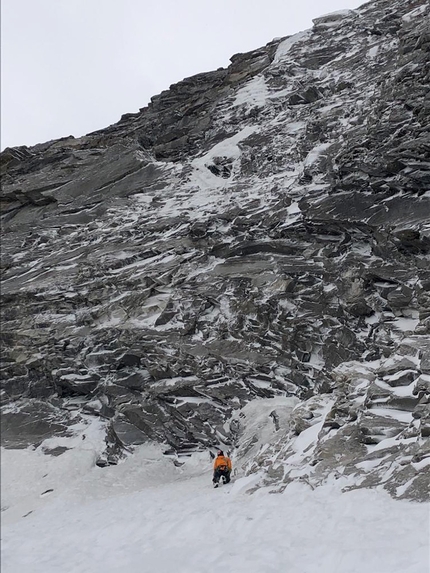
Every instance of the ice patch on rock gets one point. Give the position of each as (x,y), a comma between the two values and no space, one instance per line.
(333,19)
(285,46)
(253,94)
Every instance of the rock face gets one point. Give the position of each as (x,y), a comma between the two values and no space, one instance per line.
(257,231)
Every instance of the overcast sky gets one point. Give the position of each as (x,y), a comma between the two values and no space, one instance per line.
(70,67)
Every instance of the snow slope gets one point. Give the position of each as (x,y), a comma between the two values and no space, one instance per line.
(148,514)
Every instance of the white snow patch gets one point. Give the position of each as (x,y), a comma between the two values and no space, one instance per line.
(294,208)
(257,425)
(397,358)
(415,13)
(401,416)
(369,465)
(314,153)
(285,46)
(422,464)
(406,324)
(205,192)
(337,15)
(333,19)
(373,52)
(294,127)
(391,442)
(253,94)
(307,440)
(401,391)
(227,148)
(403,488)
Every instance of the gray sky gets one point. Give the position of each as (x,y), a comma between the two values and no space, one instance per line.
(73,66)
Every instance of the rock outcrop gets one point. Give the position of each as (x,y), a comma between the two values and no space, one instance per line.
(257,231)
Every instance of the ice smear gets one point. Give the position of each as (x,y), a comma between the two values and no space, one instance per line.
(259,428)
(315,153)
(373,52)
(253,94)
(227,148)
(414,13)
(285,46)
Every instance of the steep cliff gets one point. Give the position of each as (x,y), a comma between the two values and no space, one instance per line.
(258,231)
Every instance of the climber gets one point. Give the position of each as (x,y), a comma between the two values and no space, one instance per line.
(222,468)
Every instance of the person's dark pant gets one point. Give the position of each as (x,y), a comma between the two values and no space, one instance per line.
(221,473)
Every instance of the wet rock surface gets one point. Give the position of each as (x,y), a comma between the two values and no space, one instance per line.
(251,233)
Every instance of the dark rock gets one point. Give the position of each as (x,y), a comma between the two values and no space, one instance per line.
(309,95)
(31,423)
(55,451)
(400,297)
(136,381)
(425,430)
(360,308)
(127,434)
(422,385)
(401,378)
(375,429)
(74,383)
(129,360)
(400,364)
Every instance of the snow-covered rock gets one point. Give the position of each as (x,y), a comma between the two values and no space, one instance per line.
(333,19)
(257,233)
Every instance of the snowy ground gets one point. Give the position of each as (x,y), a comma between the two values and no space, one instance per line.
(148,515)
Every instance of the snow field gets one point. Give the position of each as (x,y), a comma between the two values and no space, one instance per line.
(148,515)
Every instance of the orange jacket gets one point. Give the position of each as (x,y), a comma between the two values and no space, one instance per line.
(222,461)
